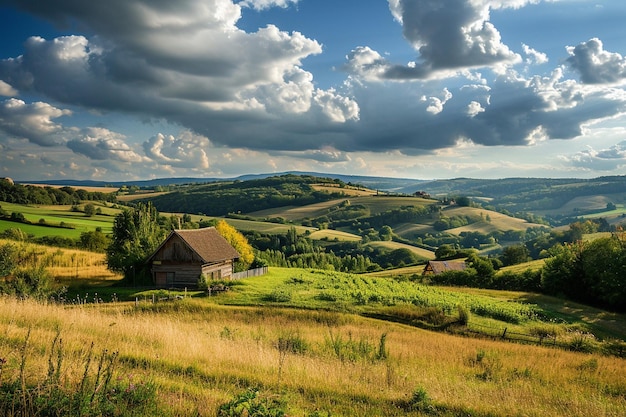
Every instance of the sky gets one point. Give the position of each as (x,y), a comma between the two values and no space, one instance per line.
(428,89)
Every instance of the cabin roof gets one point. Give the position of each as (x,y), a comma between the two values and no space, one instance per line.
(437,267)
(207,243)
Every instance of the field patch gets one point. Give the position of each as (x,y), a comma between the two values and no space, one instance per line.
(487,221)
(329,234)
(423,253)
(293,213)
(74,222)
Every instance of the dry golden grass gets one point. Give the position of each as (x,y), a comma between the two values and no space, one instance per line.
(141,195)
(497,221)
(64,264)
(424,253)
(200,355)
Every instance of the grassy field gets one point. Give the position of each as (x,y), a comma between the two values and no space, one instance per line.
(313,344)
(329,234)
(497,221)
(200,355)
(347,190)
(76,222)
(423,253)
(295,213)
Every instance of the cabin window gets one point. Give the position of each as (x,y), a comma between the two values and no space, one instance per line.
(169,280)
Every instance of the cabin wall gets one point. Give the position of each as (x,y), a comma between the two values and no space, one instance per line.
(170,275)
(222,270)
(181,275)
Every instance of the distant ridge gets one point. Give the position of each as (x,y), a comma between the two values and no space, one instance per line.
(381,183)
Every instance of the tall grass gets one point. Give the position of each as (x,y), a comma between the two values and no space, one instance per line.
(197,367)
(62,264)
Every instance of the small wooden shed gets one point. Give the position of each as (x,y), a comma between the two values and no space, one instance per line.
(186,255)
(437,267)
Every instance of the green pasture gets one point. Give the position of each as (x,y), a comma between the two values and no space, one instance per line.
(380,204)
(252,225)
(370,294)
(77,222)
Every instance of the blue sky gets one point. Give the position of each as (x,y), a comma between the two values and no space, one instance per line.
(140,89)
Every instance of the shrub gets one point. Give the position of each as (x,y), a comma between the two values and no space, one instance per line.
(278,296)
(249,403)
(464,315)
(420,401)
(292,343)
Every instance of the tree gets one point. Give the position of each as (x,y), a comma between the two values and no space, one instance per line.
(386,233)
(89,210)
(136,235)
(8,259)
(95,241)
(239,242)
(445,251)
(514,254)
(484,270)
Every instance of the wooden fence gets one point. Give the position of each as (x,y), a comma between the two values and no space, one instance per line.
(250,273)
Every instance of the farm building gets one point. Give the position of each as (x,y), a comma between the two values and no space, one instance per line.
(437,267)
(187,254)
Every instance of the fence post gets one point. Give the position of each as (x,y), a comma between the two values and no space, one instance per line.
(504,333)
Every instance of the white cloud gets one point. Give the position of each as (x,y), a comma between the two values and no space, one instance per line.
(266,4)
(189,64)
(533,56)
(104,145)
(595,65)
(474,108)
(367,64)
(437,103)
(600,160)
(6,90)
(33,122)
(452,37)
(185,151)
(336,107)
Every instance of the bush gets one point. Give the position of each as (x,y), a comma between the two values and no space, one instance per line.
(420,401)
(464,315)
(250,404)
(30,283)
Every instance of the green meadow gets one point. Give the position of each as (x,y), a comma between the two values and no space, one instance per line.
(58,220)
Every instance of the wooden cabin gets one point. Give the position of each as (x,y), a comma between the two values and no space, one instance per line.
(437,267)
(186,255)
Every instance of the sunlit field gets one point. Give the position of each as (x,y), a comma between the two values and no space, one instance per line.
(200,355)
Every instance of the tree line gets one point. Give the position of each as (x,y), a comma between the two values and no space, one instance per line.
(30,194)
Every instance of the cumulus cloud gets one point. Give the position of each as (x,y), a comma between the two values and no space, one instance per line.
(594,64)
(451,37)
(33,122)
(266,4)
(186,63)
(600,160)
(513,110)
(102,144)
(185,151)
(533,56)
(436,103)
